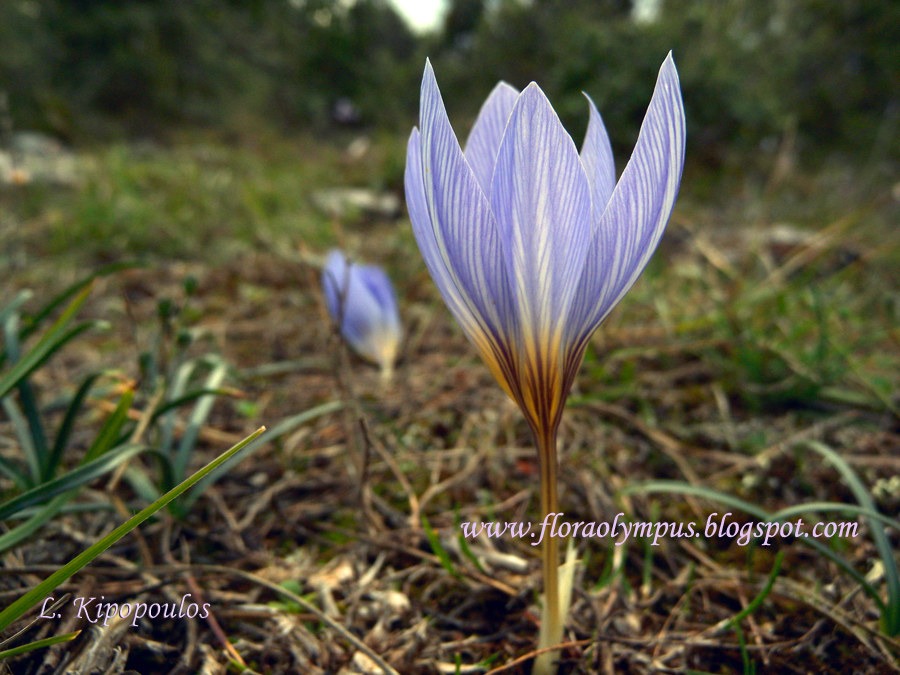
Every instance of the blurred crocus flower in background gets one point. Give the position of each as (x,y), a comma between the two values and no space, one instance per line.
(361,299)
(532,244)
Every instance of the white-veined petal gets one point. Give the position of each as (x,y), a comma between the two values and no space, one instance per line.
(633,222)
(456,231)
(599,164)
(362,298)
(541,202)
(484,139)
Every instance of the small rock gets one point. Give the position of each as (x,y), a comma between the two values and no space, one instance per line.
(342,202)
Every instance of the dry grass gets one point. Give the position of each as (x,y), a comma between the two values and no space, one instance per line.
(694,379)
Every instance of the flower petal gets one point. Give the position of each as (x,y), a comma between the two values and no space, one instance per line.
(335,281)
(371,321)
(456,232)
(597,157)
(541,201)
(484,139)
(632,224)
(424,231)
(362,298)
(375,283)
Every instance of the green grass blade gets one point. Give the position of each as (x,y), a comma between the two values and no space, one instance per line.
(76,289)
(26,445)
(15,304)
(890,617)
(77,507)
(748,667)
(51,342)
(71,480)
(10,313)
(758,600)
(198,418)
(748,664)
(24,530)
(183,400)
(179,382)
(14,473)
(677,487)
(24,415)
(45,587)
(57,604)
(58,335)
(39,644)
(35,428)
(283,427)
(68,313)
(143,485)
(834,507)
(698,491)
(438,548)
(108,435)
(465,550)
(68,422)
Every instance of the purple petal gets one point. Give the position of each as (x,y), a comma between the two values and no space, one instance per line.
(541,199)
(378,287)
(484,139)
(363,299)
(455,230)
(424,232)
(634,219)
(335,281)
(597,157)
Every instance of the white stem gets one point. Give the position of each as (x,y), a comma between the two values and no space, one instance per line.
(552,626)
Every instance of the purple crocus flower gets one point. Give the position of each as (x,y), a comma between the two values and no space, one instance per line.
(362,299)
(532,243)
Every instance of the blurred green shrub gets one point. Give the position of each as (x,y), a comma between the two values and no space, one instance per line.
(752,70)
(41,475)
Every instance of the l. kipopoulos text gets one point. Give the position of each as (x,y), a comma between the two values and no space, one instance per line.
(97,610)
(620,530)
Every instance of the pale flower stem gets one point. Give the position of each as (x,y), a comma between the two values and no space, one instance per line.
(387,374)
(551,621)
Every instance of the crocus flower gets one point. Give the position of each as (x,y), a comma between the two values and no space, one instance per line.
(361,300)
(532,243)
